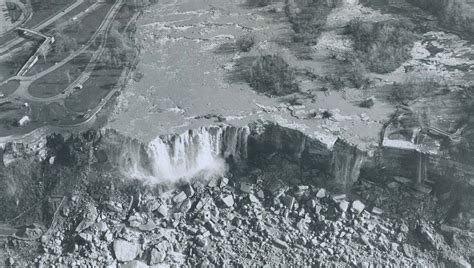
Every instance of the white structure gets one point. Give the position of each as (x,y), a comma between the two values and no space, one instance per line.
(24,120)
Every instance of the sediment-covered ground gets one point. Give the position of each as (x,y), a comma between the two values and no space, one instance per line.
(261,133)
(75,204)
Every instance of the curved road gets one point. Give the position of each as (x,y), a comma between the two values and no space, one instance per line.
(22,91)
(26,14)
(41,26)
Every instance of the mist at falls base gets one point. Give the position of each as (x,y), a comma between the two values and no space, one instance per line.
(202,152)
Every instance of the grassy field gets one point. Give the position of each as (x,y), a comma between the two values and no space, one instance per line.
(117,56)
(7,37)
(50,114)
(102,80)
(71,39)
(44,9)
(11,65)
(11,14)
(80,8)
(10,113)
(83,31)
(9,87)
(56,81)
(14,11)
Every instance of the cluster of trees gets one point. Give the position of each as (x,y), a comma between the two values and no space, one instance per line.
(119,51)
(412,89)
(307,19)
(64,43)
(454,14)
(382,46)
(245,42)
(270,74)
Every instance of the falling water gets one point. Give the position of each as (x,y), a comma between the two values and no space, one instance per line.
(202,150)
(346,163)
(421,167)
(134,160)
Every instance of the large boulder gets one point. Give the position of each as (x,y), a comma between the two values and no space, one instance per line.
(125,250)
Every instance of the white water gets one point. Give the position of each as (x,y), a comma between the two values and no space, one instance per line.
(195,152)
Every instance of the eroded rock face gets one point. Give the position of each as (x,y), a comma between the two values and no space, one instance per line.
(286,151)
(234,145)
(168,158)
(338,158)
(346,163)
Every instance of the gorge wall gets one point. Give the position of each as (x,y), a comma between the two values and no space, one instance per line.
(171,157)
(64,163)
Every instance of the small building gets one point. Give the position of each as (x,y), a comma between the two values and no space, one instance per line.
(24,120)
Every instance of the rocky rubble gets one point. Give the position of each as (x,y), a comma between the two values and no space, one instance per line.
(231,221)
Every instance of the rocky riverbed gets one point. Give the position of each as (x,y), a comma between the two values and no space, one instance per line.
(224,222)
(271,208)
(202,164)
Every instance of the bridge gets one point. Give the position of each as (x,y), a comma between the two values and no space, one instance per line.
(32,32)
(455,137)
(48,40)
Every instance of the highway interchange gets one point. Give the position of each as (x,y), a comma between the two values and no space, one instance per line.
(22,94)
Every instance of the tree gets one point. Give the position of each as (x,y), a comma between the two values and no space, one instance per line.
(272,75)
(64,43)
(44,51)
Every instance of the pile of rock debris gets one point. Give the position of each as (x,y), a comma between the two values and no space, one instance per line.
(227,222)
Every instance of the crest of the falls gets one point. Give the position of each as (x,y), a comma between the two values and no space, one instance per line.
(203,150)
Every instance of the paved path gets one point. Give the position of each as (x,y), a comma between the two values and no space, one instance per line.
(25,15)
(6,229)
(41,26)
(25,82)
(22,91)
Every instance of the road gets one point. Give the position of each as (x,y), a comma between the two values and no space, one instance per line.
(23,94)
(26,14)
(6,229)
(34,58)
(41,26)
(22,91)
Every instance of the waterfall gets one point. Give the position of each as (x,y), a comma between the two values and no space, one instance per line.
(346,163)
(422,169)
(134,160)
(202,150)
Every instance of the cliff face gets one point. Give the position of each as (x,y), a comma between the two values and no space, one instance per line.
(31,174)
(338,160)
(168,158)
(68,163)
(171,157)
(454,14)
